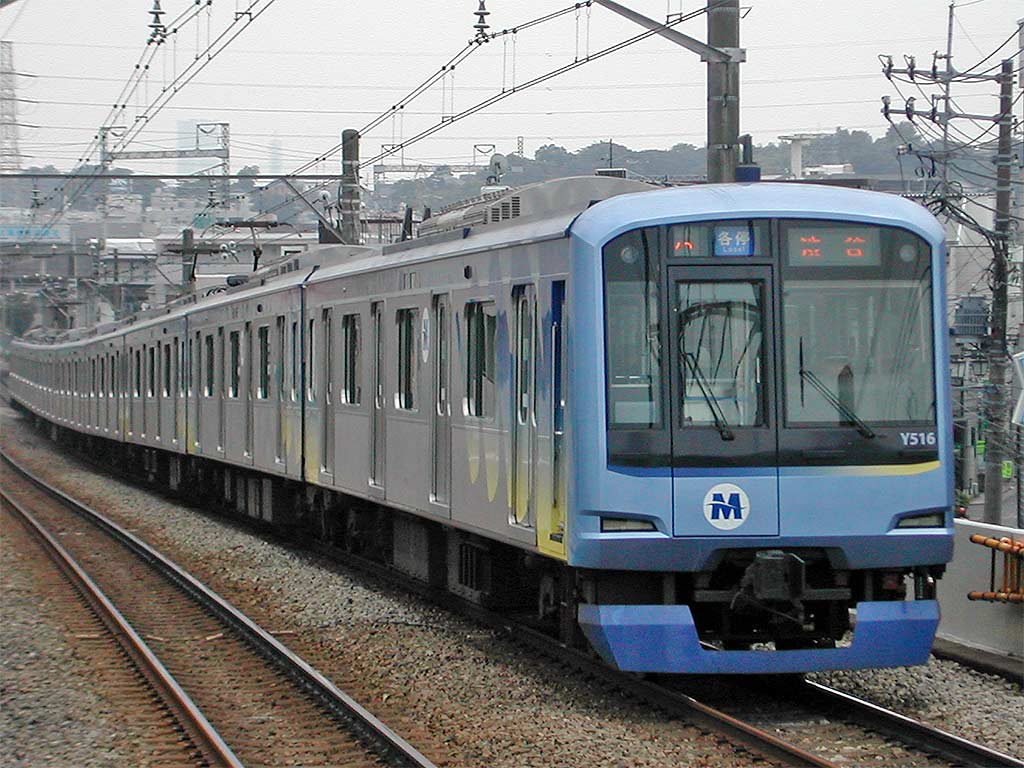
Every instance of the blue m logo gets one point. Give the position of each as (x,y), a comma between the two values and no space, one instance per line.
(726,509)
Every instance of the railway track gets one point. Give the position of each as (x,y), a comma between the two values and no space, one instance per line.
(920,735)
(848,727)
(237,693)
(759,729)
(821,711)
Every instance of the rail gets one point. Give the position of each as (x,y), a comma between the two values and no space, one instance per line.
(908,730)
(202,734)
(395,749)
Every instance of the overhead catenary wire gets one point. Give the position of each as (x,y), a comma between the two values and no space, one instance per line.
(507,92)
(240,23)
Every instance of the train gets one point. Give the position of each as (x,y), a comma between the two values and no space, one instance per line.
(700,429)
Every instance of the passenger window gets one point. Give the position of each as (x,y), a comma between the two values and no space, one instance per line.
(235,371)
(208,353)
(138,372)
(167,370)
(328,353)
(350,390)
(408,357)
(481,321)
(151,380)
(310,367)
(263,334)
(295,361)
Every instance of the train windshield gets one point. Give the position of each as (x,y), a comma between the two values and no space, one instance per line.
(763,342)
(856,325)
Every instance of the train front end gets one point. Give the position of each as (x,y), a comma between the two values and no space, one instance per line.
(761,429)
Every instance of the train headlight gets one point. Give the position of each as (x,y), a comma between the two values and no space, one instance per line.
(620,524)
(927,520)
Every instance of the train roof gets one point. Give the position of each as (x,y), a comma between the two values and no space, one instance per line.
(612,217)
(594,212)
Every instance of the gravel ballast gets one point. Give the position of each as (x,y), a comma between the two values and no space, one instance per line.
(53,705)
(461,693)
(464,695)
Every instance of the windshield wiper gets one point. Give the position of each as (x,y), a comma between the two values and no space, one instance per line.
(836,403)
(705,389)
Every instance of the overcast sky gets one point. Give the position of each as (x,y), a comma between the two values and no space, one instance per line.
(306,69)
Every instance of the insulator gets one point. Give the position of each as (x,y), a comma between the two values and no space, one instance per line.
(909,109)
(481,25)
(159,30)
(886,105)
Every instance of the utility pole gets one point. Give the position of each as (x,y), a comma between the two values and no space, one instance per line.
(723,56)
(997,447)
(350,197)
(723,92)
(995,400)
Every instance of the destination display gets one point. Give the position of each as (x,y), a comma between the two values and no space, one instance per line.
(735,240)
(824,246)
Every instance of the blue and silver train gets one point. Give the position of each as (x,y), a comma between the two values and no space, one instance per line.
(703,429)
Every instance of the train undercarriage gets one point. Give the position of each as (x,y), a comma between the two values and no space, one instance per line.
(777,599)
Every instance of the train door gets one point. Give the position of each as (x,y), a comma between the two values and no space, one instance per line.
(377,403)
(220,384)
(551,529)
(327,356)
(279,382)
(195,361)
(248,378)
(442,433)
(524,417)
(721,350)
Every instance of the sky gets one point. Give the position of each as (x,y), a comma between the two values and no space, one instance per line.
(306,69)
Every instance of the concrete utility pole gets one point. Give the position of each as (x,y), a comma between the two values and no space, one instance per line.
(724,56)
(997,447)
(350,197)
(723,92)
(995,400)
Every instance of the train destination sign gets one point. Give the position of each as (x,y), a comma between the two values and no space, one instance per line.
(812,246)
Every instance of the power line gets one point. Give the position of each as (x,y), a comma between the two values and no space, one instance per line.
(505,93)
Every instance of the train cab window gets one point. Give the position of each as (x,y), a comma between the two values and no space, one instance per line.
(208,358)
(263,342)
(481,358)
(720,347)
(720,239)
(857,318)
(408,357)
(350,376)
(234,364)
(633,330)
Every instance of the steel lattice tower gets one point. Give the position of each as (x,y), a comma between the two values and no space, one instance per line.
(10,155)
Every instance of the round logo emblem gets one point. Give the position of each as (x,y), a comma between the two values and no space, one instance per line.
(726,506)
